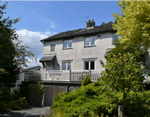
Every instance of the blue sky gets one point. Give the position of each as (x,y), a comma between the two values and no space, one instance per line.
(42,19)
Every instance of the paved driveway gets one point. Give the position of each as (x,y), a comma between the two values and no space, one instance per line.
(32,112)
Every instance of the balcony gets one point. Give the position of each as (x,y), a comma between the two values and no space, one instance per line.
(61,75)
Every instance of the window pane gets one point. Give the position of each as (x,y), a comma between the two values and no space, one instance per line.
(63,66)
(92,65)
(90,41)
(65,44)
(52,48)
(86,64)
(68,66)
(87,41)
(70,43)
(93,41)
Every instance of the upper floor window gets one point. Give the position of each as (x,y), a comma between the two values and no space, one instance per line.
(89,41)
(52,47)
(67,44)
(115,37)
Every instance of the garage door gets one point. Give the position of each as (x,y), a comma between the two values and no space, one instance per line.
(50,92)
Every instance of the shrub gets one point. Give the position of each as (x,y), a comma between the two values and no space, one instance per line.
(86,80)
(85,101)
(12,100)
(33,92)
(17,104)
(97,99)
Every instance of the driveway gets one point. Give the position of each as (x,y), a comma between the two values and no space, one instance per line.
(32,112)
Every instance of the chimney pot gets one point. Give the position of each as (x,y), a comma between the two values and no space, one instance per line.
(91,23)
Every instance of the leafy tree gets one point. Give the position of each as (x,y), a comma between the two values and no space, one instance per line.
(133,24)
(13,53)
(124,68)
(124,63)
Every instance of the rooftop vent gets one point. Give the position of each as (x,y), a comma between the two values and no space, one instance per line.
(91,23)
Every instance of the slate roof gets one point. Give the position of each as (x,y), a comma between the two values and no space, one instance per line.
(81,32)
(31,68)
(47,58)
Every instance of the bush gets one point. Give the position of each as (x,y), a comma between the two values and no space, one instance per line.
(33,92)
(12,100)
(86,80)
(17,104)
(86,101)
(97,99)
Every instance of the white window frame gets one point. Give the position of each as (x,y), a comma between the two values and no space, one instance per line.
(89,61)
(67,44)
(67,63)
(90,42)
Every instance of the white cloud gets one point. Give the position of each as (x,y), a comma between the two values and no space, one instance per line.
(32,39)
(33,63)
(52,24)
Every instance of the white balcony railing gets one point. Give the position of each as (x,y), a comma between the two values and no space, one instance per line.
(61,75)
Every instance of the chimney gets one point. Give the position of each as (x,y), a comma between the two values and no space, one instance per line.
(91,23)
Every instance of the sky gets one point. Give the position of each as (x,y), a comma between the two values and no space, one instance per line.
(40,19)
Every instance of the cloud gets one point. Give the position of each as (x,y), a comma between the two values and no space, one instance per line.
(52,24)
(33,63)
(32,39)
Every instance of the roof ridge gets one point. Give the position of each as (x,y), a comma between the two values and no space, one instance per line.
(85,31)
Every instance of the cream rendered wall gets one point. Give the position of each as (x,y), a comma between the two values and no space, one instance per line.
(79,53)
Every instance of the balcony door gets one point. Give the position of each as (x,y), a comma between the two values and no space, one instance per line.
(89,65)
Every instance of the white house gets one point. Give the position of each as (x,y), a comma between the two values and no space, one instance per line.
(77,50)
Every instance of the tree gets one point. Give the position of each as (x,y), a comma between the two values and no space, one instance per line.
(13,53)
(133,24)
(124,67)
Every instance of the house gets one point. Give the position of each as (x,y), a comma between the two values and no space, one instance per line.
(69,56)
(79,51)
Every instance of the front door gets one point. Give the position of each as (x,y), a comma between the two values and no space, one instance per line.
(50,69)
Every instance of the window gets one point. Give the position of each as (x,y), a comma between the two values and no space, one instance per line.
(66,65)
(67,44)
(89,41)
(52,47)
(115,37)
(89,64)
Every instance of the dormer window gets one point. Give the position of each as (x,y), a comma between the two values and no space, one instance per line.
(67,44)
(89,41)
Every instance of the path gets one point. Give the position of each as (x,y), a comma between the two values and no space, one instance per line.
(32,112)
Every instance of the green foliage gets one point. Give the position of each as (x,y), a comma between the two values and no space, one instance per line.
(124,68)
(33,92)
(13,53)
(91,100)
(135,31)
(17,104)
(86,80)
(97,99)
(12,100)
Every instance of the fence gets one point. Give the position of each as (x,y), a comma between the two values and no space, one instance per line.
(61,75)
